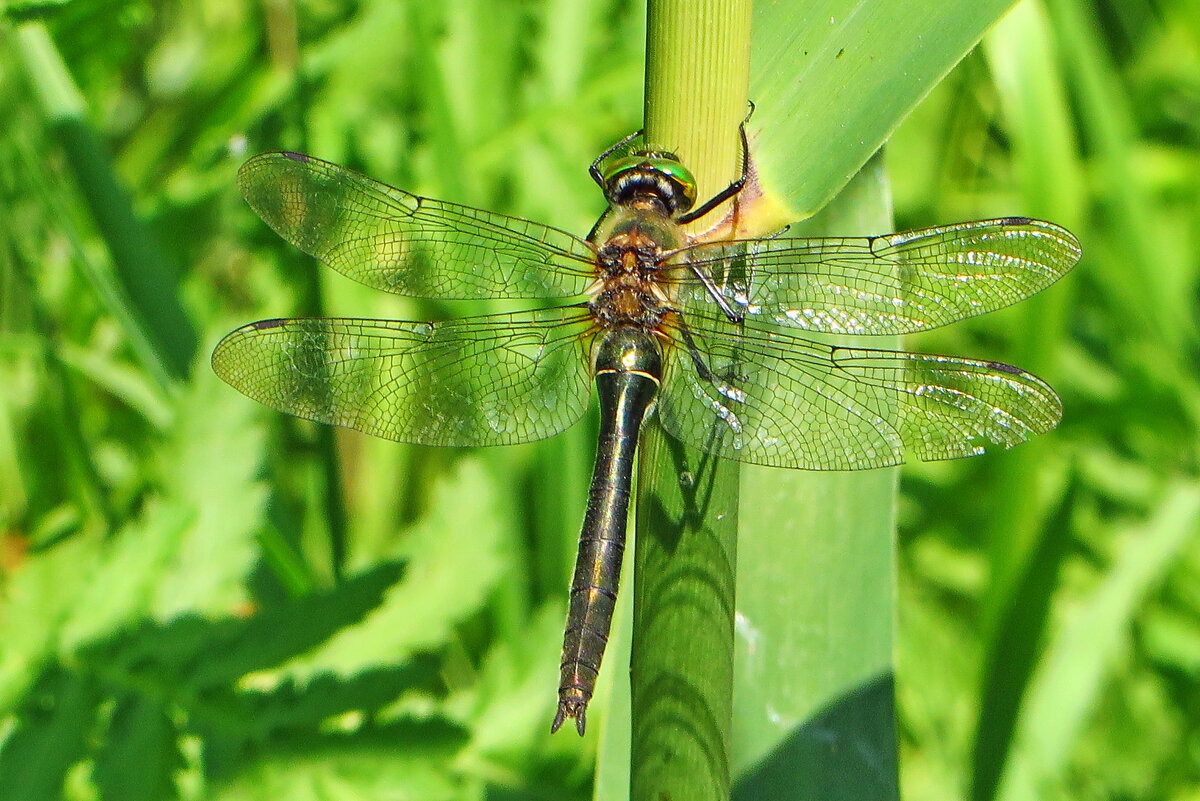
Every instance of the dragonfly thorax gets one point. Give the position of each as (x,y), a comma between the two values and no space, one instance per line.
(634,245)
(623,303)
(632,239)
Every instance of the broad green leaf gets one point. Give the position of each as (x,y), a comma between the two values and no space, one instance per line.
(831,80)
(813,706)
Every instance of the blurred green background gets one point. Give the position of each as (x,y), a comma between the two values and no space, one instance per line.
(202,599)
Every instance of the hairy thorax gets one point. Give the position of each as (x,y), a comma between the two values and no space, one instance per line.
(632,246)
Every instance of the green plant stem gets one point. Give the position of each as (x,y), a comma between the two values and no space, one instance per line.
(697,75)
(697,79)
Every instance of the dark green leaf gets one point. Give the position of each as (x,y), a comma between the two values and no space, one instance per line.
(50,734)
(140,755)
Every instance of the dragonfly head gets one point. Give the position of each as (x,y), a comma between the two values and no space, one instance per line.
(655,175)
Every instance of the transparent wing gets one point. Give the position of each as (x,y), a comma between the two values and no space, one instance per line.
(771,398)
(493,380)
(398,242)
(894,284)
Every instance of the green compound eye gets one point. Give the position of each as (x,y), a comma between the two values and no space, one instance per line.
(668,166)
(678,173)
(621,165)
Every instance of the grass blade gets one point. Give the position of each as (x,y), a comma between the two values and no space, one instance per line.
(139,263)
(1079,658)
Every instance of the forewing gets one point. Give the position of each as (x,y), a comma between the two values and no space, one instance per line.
(398,242)
(494,380)
(771,398)
(894,284)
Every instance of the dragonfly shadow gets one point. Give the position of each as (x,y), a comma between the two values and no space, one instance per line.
(697,472)
(684,595)
(681,719)
(683,517)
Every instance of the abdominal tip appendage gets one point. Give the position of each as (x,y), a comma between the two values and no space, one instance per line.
(570,709)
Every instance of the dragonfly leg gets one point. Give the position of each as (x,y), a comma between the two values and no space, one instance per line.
(591,237)
(723,386)
(694,352)
(733,188)
(594,170)
(734,315)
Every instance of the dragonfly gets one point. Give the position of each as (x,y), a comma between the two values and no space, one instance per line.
(723,340)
